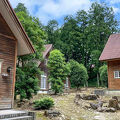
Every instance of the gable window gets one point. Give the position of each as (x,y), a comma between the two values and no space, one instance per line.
(116,74)
(1,61)
(43,82)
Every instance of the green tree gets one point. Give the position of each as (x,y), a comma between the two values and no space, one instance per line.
(103,75)
(27,69)
(53,33)
(20,8)
(78,75)
(84,36)
(27,81)
(58,70)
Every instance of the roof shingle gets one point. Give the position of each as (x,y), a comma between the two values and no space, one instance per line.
(112,48)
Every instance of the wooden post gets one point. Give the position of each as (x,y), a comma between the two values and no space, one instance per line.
(14,76)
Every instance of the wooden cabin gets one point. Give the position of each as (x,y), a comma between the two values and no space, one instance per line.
(111,54)
(13,42)
(45,86)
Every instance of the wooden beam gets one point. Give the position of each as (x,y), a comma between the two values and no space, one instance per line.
(10,37)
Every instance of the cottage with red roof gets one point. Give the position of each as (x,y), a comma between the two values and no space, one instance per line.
(111,54)
(44,84)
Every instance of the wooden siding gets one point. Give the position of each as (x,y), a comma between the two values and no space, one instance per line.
(113,83)
(7,54)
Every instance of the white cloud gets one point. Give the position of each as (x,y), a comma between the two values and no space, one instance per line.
(114,4)
(116,10)
(114,1)
(50,9)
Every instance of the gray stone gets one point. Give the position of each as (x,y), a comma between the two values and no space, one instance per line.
(52,113)
(90,97)
(110,110)
(96,106)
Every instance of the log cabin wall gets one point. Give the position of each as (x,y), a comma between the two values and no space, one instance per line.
(113,83)
(8,56)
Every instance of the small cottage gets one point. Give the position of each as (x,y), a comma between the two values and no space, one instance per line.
(13,42)
(44,84)
(111,54)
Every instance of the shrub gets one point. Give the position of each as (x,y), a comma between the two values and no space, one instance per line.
(103,75)
(78,76)
(44,103)
(27,81)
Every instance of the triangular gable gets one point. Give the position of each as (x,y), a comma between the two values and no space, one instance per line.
(24,44)
(112,48)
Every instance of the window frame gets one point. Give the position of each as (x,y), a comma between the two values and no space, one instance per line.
(43,82)
(1,63)
(117,72)
(67,83)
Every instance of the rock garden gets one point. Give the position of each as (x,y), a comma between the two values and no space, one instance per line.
(81,105)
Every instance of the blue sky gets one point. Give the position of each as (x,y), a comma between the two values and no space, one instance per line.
(46,10)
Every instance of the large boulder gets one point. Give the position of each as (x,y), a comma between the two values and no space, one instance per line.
(115,97)
(113,103)
(96,106)
(90,97)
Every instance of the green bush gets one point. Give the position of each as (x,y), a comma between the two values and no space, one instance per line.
(44,103)
(78,75)
(103,75)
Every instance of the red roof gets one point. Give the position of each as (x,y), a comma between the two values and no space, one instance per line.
(48,48)
(112,48)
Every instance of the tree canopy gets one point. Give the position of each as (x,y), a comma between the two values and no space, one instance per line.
(78,74)
(58,70)
(83,36)
(27,69)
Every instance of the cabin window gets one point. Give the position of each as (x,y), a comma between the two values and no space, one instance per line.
(46,61)
(1,61)
(116,74)
(43,82)
(67,83)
